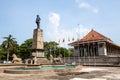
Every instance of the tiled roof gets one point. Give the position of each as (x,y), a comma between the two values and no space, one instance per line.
(93,36)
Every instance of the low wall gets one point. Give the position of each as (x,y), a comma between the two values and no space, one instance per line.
(18,65)
(101,60)
(7,66)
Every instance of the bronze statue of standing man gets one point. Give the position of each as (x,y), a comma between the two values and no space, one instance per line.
(38,21)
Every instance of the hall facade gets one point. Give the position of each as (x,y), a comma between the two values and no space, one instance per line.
(95,44)
(96,48)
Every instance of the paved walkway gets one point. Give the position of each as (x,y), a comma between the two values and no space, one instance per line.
(89,73)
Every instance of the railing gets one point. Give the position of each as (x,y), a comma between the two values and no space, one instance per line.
(94,60)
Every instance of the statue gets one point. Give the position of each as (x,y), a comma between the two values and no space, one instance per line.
(16,60)
(51,58)
(38,21)
(34,60)
(57,60)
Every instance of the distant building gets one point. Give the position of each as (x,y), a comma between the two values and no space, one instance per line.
(95,44)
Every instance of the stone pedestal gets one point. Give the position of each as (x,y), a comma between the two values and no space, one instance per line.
(37,44)
(43,61)
(38,47)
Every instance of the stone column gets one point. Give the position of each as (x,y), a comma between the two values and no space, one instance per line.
(102,48)
(37,44)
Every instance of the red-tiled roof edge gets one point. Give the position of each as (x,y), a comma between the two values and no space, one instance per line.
(92,33)
(102,35)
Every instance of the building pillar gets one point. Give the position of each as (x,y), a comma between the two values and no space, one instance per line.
(102,48)
(105,50)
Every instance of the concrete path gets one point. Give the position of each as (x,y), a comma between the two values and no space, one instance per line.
(89,73)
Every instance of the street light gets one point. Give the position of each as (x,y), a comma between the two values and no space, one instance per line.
(7,51)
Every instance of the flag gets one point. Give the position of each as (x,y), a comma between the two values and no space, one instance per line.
(68,39)
(63,40)
(59,40)
(73,39)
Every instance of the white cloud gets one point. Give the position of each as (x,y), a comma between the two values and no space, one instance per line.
(51,29)
(87,6)
(84,5)
(76,33)
(77,1)
(81,31)
(54,18)
(95,10)
(55,33)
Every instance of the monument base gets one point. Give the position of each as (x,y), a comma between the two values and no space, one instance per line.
(38,53)
(43,60)
(40,58)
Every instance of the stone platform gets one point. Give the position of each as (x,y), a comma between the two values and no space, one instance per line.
(43,61)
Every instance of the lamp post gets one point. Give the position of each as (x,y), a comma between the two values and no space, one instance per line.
(78,36)
(54,51)
(7,56)
(7,51)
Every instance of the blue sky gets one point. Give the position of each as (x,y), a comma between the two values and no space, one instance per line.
(59,18)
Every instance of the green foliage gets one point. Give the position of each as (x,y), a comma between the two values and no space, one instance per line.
(8,46)
(2,53)
(52,48)
(65,52)
(25,49)
(11,46)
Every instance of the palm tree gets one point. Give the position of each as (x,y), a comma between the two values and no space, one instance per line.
(8,44)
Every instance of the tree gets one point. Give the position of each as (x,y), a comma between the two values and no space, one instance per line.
(65,52)
(9,45)
(25,49)
(0,52)
(52,48)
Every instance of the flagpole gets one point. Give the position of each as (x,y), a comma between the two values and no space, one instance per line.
(63,49)
(59,47)
(68,52)
(74,55)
